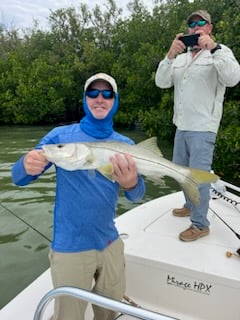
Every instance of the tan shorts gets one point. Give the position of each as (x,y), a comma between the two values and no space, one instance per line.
(102,272)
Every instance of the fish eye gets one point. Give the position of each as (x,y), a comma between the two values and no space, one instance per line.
(60,146)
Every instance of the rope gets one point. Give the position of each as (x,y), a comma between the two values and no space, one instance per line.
(224,197)
(131,302)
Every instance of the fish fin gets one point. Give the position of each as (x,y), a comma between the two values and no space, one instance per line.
(151,145)
(107,171)
(191,184)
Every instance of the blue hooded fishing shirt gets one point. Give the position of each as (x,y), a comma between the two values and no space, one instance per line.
(85,202)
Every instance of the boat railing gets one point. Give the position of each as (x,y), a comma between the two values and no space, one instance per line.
(232,186)
(93,298)
(222,186)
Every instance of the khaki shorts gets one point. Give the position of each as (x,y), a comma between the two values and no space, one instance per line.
(102,272)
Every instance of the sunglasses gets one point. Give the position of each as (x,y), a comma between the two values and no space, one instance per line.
(94,93)
(199,23)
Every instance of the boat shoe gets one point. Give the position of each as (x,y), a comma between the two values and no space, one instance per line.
(182,212)
(193,233)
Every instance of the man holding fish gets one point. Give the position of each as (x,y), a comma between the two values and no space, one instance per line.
(86,250)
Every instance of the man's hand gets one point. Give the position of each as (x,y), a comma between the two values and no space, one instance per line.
(177,47)
(125,170)
(205,41)
(34,162)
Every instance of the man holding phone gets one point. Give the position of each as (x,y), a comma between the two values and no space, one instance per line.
(200,77)
(199,35)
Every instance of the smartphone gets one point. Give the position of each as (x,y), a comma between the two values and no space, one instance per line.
(190,40)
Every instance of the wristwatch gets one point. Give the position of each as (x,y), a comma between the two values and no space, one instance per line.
(218,46)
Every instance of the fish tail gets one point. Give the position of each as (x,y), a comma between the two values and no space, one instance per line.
(196,177)
(201,176)
(190,187)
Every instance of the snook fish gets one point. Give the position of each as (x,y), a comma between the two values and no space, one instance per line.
(146,154)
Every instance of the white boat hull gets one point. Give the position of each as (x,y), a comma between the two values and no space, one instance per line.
(185,280)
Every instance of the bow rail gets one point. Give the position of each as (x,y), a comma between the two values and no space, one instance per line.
(96,299)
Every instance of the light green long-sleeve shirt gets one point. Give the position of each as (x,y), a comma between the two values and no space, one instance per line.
(199,86)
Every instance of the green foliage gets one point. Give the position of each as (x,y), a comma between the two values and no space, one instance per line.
(226,158)
(42,73)
(158,121)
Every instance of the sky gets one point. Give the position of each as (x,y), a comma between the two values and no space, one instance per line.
(21,13)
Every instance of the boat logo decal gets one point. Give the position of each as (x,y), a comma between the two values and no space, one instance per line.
(194,285)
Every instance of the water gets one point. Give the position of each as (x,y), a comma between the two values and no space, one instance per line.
(26,212)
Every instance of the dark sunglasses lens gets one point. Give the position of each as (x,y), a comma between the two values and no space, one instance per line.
(107,94)
(200,23)
(94,93)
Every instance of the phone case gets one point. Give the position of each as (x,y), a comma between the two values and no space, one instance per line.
(190,40)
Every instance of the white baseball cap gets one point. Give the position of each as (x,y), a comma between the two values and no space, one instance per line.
(101,76)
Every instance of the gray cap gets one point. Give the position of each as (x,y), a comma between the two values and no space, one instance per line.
(201,13)
(101,76)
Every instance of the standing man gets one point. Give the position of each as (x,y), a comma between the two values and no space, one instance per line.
(86,250)
(200,77)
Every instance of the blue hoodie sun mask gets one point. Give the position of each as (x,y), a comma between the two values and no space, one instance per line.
(98,128)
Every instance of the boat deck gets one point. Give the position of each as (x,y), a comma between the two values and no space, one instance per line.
(169,274)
